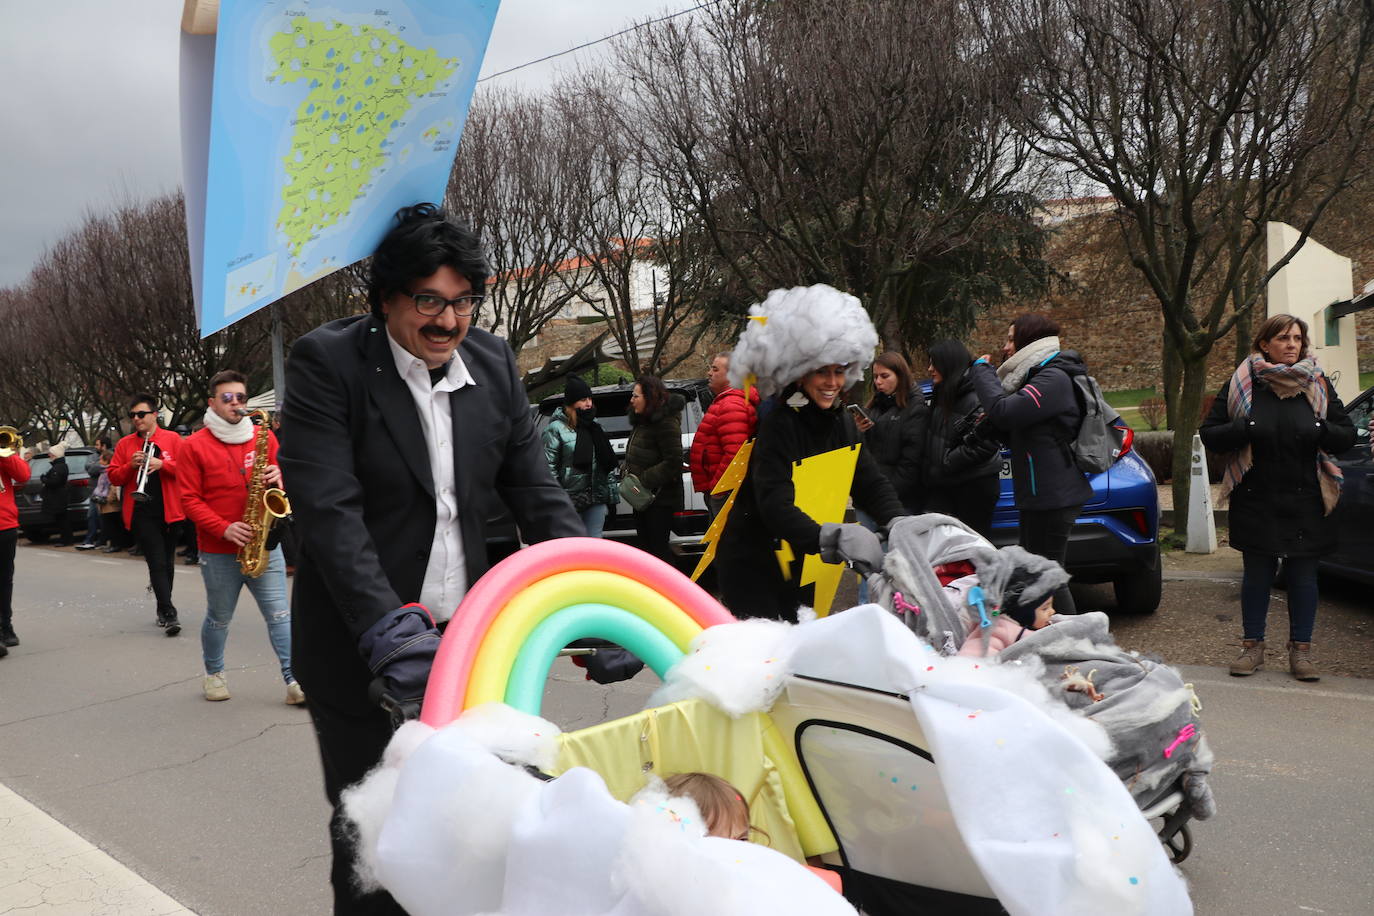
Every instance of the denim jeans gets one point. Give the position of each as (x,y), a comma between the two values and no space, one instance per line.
(1257,579)
(223,581)
(93,534)
(594,519)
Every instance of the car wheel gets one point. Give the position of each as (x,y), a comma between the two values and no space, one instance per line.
(1139,592)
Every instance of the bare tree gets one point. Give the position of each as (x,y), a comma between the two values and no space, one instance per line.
(641,264)
(510,182)
(860,144)
(1205,119)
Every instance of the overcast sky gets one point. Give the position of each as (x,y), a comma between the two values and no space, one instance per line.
(88,100)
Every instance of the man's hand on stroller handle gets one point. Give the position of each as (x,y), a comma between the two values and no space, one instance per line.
(399,650)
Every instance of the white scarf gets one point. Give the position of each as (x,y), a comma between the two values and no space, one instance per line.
(226,432)
(1013,372)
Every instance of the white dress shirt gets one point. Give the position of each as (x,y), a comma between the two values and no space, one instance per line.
(446,576)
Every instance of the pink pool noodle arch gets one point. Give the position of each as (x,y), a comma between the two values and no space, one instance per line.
(463,639)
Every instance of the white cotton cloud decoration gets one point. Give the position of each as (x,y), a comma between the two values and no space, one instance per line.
(807,327)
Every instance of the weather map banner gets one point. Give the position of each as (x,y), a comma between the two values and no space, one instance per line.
(323,119)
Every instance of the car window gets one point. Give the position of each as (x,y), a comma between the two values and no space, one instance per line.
(613,408)
(1359,415)
(76,465)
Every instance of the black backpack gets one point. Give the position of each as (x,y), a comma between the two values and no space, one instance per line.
(1101,433)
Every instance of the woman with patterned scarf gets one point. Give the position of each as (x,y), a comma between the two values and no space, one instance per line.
(1278,422)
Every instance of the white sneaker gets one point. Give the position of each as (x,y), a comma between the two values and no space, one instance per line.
(215,687)
(295,696)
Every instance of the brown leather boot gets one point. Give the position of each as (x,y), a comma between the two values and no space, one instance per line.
(1300,661)
(1251,658)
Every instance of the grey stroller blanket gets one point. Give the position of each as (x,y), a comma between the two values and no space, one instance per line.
(1143,704)
(1146,708)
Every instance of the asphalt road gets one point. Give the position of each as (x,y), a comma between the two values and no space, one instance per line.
(102,725)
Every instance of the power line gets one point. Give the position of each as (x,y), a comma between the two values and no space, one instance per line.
(598,41)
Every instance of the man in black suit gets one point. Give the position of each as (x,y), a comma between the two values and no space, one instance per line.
(396,428)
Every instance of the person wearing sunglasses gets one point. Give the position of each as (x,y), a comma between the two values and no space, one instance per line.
(214,472)
(400,429)
(153,515)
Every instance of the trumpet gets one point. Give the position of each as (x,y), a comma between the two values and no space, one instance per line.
(10,442)
(140,493)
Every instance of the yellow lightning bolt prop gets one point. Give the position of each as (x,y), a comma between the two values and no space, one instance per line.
(729,482)
(822,485)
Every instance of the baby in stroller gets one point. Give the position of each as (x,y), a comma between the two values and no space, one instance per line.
(1027,602)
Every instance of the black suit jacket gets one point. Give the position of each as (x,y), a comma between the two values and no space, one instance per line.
(357,471)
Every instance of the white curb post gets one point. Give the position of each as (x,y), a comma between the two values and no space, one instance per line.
(1202,529)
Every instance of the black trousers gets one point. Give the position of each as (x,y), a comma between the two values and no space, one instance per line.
(654,525)
(8,539)
(971,502)
(351,743)
(1045,532)
(158,541)
(62,521)
(755,588)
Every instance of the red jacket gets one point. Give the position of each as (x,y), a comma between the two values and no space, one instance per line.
(728,424)
(14,472)
(125,476)
(213,477)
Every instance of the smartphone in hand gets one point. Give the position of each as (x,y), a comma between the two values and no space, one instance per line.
(856,412)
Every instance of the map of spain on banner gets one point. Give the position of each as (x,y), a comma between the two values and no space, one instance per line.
(305,125)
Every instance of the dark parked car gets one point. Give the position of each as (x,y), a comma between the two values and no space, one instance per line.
(1354,514)
(36,524)
(612,412)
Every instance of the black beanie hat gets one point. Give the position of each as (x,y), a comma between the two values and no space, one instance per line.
(575,389)
(1024,592)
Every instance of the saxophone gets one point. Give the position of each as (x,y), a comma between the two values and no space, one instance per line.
(265,504)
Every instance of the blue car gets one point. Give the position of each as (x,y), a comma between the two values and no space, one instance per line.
(1116,536)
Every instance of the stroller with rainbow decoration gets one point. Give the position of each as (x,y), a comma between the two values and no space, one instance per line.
(923,780)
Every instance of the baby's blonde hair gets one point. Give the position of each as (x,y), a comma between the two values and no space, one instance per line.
(721,805)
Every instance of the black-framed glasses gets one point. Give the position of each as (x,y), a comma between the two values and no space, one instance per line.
(139,414)
(230,397)
(432,306)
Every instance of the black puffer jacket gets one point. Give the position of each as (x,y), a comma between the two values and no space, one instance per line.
(654,452)
(766,509)
(1276,509)
(55,497)
(957,451)
(1037,422)
(897,440)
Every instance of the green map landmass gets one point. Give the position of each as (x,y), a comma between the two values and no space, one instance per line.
(362,80)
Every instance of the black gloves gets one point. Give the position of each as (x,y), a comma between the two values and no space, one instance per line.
(852,544)
(399,650)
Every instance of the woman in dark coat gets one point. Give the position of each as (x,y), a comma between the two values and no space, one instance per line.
(1278,421)
(1030,402)
(895,429)
(55,499)
(961,458)
(654,455)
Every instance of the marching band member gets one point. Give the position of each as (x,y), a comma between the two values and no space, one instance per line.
(216,472)
(144,466)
